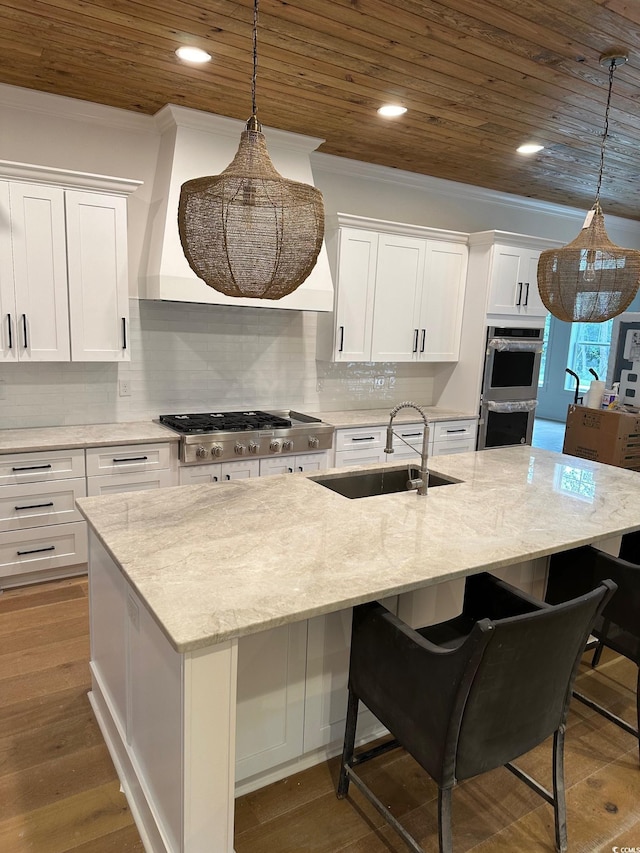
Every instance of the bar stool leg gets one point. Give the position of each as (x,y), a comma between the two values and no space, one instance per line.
(349,742)
(559,805)
(445,838)
(597,654)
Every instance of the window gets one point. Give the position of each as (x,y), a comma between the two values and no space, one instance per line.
(588,348)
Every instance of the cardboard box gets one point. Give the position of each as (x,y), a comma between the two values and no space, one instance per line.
(603,436)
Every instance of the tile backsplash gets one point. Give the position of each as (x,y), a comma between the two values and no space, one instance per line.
(187,357)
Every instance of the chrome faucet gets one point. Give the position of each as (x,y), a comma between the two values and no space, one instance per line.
(422,483)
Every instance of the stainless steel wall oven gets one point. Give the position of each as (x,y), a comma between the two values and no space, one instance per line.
(509,386)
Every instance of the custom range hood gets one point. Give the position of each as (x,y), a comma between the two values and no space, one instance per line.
(194,144)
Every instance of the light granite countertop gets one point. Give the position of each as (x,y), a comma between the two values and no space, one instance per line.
(218,561)
(380,417)
(84,435)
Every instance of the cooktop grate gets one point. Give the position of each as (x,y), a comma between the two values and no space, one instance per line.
(224,422)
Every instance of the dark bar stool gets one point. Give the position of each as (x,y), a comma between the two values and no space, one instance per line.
(618,627)
(470,694)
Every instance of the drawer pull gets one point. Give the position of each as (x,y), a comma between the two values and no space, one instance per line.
(410,435)
(36,550)
(365,438)
(131,459)
(461,429)
(32,467)
(35,506)
(124,333)
(24,331)
(10,330)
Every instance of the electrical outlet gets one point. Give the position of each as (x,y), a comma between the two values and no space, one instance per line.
(124,387)
(378,382)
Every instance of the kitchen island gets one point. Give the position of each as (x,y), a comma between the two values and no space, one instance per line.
(178,576)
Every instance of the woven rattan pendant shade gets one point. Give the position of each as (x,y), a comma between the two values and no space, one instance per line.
(249,232)
(590,279)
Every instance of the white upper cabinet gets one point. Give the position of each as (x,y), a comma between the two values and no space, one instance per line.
(399,293)
(514,282)
(33,294)
(505,265)
(63,266)
(98,280)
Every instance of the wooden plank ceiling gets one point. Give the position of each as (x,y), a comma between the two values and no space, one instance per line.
(479,77)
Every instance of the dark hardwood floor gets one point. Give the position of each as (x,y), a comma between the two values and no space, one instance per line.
(59,791)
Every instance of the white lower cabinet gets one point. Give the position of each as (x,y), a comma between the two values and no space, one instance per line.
(270,699)
(43,534)
(218,472)
(130,468)
(294,464)
(329,642)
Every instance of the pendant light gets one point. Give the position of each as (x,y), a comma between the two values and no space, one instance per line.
(249,232)
(590,280)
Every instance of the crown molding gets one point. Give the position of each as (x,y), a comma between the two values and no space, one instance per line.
(67,178)
(332,164)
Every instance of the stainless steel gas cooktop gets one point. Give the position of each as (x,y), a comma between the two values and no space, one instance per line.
(221,436)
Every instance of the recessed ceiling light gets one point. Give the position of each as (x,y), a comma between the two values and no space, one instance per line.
(193,54)
(391,110)
(530,148)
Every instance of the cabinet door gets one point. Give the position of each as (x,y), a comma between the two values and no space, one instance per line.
(8,339)
(270,700)
(312,462)
(396,330)
(40,272)
(98,279)
(328,645)
(277,465)
(442,301)
(190,475)
(514,288)
(357,258)
(533,306)
(239,470)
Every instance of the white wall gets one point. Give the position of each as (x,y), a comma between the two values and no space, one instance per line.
(198,357)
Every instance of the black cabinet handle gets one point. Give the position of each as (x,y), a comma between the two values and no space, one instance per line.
(365,438)
(214,479)
(24,331)
(300,468)
(32,467)
(131,459)
(462,429)
(415,340)
(410,435)
(290,470)
(519,302)
(34,506)
(36,550)
(124,333)
(526,299)
(341,339)
(10,331)
(227,476)
(424,337)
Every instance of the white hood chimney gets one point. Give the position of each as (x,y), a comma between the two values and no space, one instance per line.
(194,144)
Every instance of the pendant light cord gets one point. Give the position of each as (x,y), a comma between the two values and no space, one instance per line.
(612,68)
(255,59)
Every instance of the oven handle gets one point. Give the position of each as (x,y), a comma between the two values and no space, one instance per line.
(510,406)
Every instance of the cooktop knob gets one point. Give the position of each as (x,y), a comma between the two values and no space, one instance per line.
(274,446)
(240,449)
(201,452)
(253,447)
(314,441)
(287,444)
(216,450)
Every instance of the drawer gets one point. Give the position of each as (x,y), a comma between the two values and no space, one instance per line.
(36,504)
(411,433)
(127,458)
(41,466)
(113,484)
(56,546)
(453,430)
(351,439)
(443,448)
(362,456)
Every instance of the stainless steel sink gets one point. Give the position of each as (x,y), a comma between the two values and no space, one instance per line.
(366,484)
